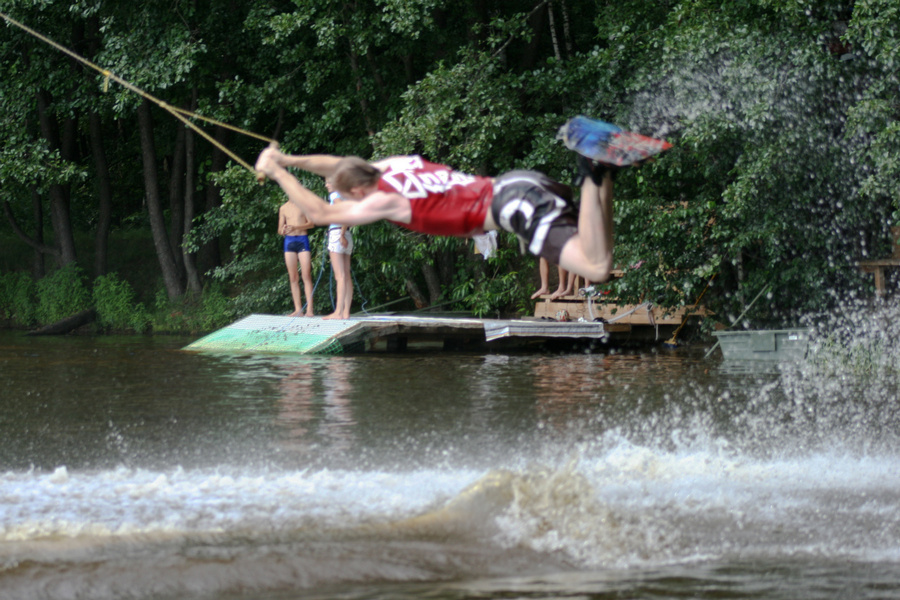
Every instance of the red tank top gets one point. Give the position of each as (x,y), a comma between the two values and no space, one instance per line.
(444,202)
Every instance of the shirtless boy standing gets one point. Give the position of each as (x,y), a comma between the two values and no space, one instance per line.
(293,224)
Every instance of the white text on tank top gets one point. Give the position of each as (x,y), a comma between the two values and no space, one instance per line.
(408,177)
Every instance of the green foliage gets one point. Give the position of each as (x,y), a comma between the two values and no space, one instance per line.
(873,32)
(211,311)
(859,345)
(783,114)
(760,189)
(874,38)
(114,300)
(27,163)
(18,298)
(762,186)
(62,294)
(461,116)
(495,290)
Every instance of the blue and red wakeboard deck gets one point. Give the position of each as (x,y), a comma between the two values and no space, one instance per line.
(607,143)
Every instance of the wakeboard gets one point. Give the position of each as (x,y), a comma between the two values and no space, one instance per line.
(608,143)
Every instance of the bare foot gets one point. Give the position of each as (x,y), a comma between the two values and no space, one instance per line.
(309,314)
(333,315)
(540,293)
(296,313)
(559,293)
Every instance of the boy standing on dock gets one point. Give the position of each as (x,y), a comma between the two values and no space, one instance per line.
(293,224)
(430,198)
(340,248)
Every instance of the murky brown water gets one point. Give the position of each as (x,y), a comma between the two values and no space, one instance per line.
(132,469)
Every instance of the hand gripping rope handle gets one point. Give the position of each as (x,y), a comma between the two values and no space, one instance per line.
(260,176)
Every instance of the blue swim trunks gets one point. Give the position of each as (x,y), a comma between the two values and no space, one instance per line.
(296,243)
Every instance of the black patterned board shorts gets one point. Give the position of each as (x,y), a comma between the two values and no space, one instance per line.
(537,209)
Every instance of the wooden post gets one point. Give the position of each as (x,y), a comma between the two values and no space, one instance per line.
(879,282)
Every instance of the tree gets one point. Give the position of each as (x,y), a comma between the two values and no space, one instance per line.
(761,188)
(872,47)
(782,113)
(41,120)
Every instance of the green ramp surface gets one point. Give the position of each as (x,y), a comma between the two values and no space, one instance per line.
(277,334)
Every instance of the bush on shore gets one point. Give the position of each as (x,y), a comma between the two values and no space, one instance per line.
(27,304)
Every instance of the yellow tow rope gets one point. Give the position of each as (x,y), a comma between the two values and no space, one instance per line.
(179,113)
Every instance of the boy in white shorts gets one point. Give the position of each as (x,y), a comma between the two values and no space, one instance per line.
(340,247)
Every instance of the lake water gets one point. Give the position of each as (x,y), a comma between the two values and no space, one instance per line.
(132,469)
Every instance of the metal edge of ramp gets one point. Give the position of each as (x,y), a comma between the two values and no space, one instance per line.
(498,329)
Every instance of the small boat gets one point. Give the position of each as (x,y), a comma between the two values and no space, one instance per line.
(769,344)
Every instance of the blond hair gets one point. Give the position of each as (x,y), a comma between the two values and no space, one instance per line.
(351,172)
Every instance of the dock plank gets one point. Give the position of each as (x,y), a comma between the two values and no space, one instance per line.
(627,314)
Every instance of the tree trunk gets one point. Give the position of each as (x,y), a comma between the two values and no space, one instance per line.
(553,38)
(68,324)
(174,287)
(416,294)
(567,35)
(408,69)
(433,281)
(37,243)
(176,201)
(210,256)
(59,195)
(376,77)
(101,165)
(37,208)
(361,98)
(532,50)
(194,283)
(104,195)
(447,265)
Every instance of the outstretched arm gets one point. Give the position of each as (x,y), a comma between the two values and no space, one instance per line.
(374,207)
(320,164)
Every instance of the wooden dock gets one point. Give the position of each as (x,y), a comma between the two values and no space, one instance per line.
(396,333)
(634,315)
(882,267)
(879,268)
(640,318)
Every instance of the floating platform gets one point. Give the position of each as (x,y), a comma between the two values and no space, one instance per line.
(260,333)
(769,345)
